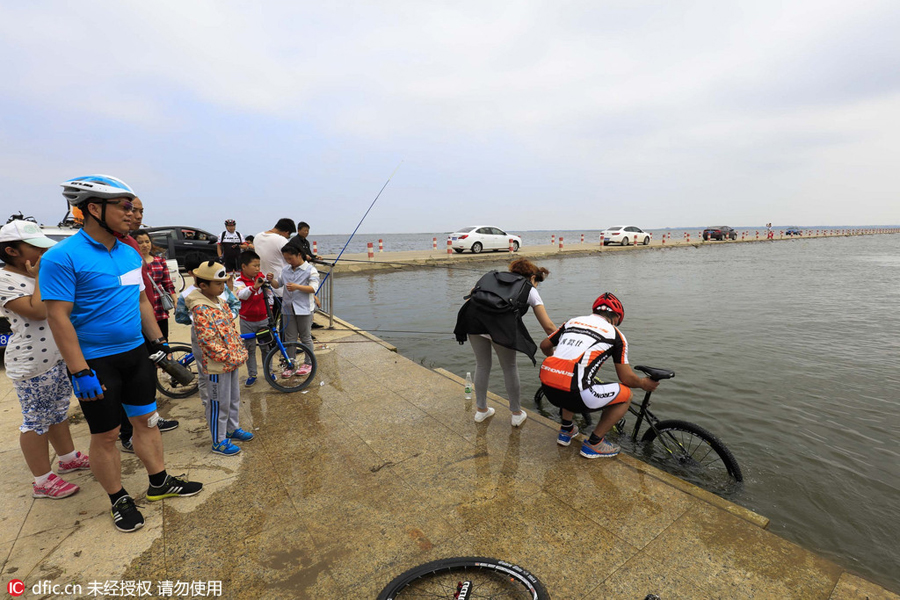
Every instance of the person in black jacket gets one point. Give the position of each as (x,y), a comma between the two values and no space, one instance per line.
(300,242)
(505,333)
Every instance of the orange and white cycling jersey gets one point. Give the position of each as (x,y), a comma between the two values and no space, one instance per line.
(582,346)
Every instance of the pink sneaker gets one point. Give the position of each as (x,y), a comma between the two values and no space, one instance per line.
(287,374)
(303,370)
(81,462)
(55,488)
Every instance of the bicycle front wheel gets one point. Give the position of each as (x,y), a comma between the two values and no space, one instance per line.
(479,577)
(290,375)
(170,386)
(693,453)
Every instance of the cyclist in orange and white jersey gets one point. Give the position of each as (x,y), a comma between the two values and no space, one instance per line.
(575,352)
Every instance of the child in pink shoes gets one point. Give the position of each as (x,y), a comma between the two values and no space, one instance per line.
(34,363)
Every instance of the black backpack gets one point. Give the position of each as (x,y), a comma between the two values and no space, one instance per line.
(502,292)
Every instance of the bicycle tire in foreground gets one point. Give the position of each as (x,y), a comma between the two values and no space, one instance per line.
(468,577)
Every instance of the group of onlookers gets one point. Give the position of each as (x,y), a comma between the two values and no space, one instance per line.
(87,313)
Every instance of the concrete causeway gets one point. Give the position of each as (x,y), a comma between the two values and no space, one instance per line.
(379,467)
(414,259)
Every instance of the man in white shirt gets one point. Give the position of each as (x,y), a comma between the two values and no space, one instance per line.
(268,245)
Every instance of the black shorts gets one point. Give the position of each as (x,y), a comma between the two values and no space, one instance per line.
(130,382)
(231,263)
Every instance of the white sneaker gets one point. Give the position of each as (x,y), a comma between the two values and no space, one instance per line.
(481,416)
(519,418)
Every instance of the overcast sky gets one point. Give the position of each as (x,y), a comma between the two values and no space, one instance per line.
(523,115)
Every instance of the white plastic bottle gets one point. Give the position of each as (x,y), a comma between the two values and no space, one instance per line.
(468,386)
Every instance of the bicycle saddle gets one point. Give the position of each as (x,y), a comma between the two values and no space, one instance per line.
(656,374)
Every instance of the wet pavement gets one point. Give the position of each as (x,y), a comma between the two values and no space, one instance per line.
(379,467)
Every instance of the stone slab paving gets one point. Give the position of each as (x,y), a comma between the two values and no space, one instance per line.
(379,467)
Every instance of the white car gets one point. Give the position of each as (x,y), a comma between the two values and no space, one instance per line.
(482,237)
(625,236)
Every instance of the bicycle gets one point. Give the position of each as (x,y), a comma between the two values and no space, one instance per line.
(466,578)
(680,447)
(280,370)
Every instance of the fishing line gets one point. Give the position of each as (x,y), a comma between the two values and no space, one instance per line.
(412,265)
(324,279)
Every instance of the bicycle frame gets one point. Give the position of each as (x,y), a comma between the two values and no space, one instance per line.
(641,413)
(188,358)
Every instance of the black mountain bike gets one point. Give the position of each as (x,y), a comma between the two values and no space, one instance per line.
(466,578)
(680,447)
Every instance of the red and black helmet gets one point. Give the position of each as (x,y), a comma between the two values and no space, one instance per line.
(229,222)
(609,302)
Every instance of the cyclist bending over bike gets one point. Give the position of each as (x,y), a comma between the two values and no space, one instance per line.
(575,352)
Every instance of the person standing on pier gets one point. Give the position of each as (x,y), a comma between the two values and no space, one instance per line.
(487,324)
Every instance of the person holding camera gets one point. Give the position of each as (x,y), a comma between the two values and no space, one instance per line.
(98,313)
(248,289)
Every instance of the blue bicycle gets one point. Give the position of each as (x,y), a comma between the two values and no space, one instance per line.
(287,366)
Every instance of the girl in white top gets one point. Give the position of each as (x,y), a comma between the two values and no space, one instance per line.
(34,363)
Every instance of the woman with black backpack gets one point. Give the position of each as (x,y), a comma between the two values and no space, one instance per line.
(492,317)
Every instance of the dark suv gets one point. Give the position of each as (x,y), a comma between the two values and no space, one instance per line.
(179,241)
(719,233)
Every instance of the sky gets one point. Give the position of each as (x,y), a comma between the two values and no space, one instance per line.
(521,115)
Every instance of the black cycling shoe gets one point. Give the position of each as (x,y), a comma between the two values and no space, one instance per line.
(126,516)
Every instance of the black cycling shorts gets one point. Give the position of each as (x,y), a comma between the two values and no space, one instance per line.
(231,263)
(130,379)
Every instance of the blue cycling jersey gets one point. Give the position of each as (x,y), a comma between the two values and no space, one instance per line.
(104,287)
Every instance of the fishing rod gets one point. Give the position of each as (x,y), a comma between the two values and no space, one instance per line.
(327,275)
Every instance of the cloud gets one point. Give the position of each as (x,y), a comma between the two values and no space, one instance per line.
(664,106)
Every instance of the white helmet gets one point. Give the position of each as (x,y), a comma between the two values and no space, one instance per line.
(103,187)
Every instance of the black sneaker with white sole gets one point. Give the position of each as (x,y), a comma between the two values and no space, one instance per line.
(166,424)
(126,516)
(173,486)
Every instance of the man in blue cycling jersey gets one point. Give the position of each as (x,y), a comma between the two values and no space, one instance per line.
(97,310)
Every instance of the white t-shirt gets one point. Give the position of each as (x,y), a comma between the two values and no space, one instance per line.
(31,350)
(534,299)
(268,246)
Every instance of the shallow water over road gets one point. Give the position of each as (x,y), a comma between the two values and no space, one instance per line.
(787,351)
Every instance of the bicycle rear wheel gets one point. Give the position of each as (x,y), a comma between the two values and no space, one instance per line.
(168,385)
(290,376)
(467,577)
(693,453)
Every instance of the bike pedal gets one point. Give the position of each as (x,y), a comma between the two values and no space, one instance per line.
(620,426)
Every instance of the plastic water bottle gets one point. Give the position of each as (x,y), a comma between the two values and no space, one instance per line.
(468,386)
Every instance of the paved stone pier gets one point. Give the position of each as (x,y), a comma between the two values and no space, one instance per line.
(380,467)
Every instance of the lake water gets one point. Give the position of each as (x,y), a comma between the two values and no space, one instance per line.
(787,351)
(396,242)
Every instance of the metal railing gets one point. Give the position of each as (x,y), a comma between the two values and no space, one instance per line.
(326,292)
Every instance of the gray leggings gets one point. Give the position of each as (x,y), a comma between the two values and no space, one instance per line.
(507,356)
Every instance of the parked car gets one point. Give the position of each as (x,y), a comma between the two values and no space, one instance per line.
(719,233)
(481,237)
(625,236)
(792,231)
(179,241)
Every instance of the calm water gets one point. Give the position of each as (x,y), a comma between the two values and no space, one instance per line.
(787,351)
(396,242)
